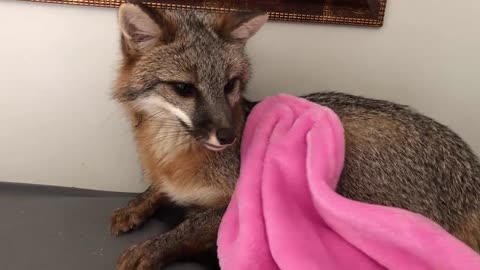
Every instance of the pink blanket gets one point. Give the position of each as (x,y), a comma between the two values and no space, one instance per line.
(285,214)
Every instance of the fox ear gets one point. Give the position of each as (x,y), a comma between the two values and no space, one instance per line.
(241,26)
(142,28)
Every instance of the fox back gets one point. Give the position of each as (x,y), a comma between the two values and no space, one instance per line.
(181,83)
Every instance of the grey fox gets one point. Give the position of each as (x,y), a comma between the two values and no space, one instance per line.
(181,84)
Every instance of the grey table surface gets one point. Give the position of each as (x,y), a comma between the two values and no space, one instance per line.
(67,229)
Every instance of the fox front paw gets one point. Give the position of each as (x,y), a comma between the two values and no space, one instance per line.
(126,219)
(144,256)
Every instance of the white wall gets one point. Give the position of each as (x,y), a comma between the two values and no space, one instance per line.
(57,64)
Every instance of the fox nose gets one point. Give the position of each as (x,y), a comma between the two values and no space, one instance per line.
(226,136)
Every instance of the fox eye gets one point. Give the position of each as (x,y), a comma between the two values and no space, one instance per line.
(230,86)
(184,89)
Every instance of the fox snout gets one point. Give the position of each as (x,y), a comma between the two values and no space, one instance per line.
(220,139)
(215,127)
(217,138)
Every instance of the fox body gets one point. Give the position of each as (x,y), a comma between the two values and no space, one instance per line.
(181,84)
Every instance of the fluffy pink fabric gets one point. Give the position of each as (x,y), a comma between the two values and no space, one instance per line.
(285,214)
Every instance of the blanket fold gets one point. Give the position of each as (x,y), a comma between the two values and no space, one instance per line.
(285,213)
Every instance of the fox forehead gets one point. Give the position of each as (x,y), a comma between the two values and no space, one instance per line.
(194,63)
(197,53)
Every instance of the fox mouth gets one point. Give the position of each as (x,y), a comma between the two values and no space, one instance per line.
(216,147)
(211,142)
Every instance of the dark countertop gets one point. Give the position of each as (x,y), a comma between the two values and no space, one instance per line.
(56,228)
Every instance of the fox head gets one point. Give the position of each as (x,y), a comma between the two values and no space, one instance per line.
(186,70)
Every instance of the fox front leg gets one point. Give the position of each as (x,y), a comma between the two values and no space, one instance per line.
(138,211)
(196,234)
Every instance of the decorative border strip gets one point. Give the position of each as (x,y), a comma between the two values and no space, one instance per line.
(279,16)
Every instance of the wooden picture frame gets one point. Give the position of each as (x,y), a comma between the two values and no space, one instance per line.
(351,12)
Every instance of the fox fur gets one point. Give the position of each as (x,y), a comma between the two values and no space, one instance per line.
(182,79)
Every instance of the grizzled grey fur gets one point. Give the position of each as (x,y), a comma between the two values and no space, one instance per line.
(394,155)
